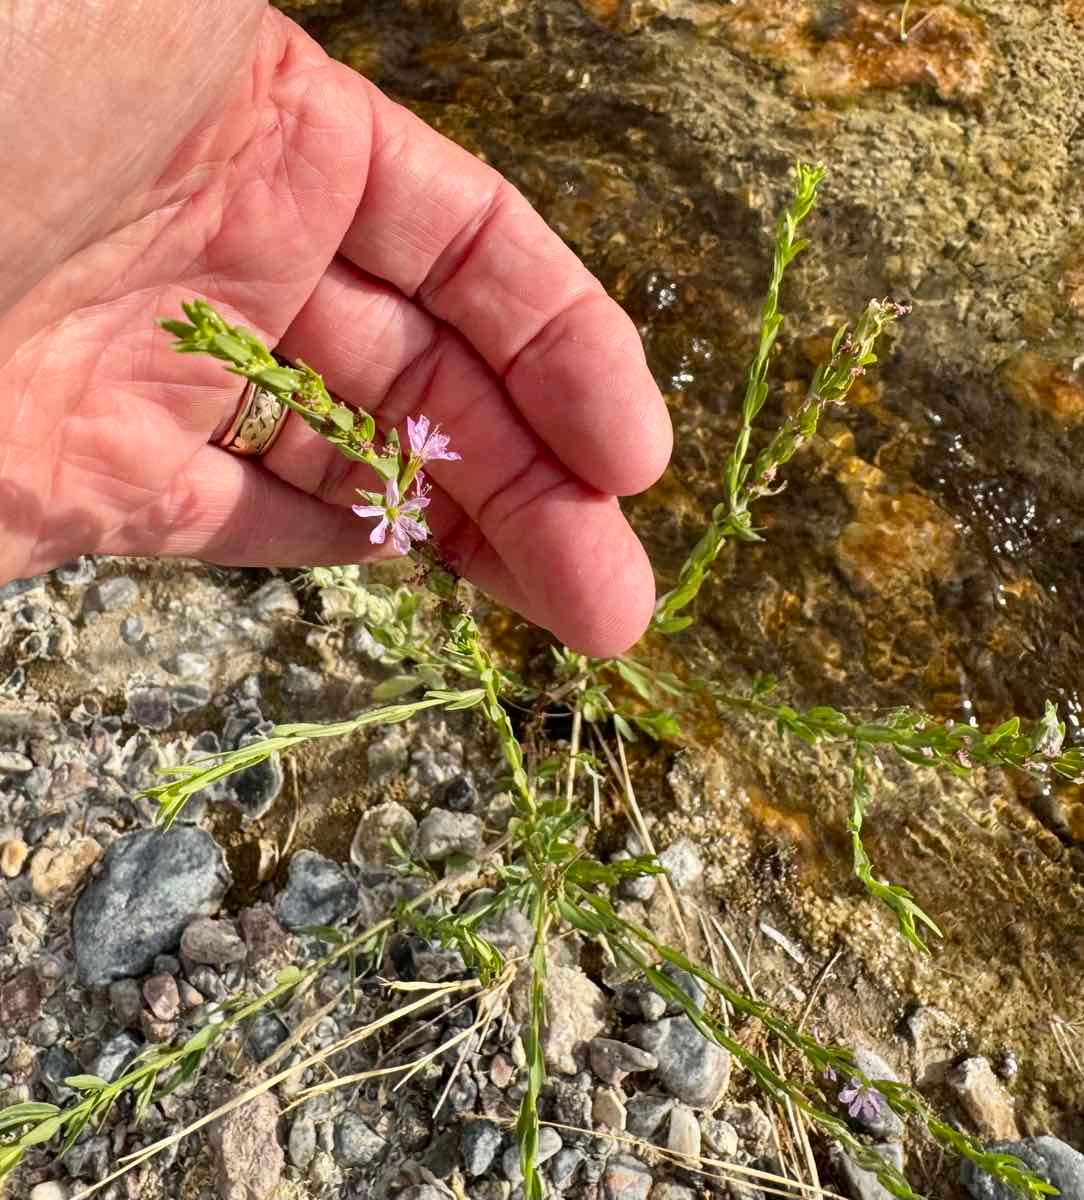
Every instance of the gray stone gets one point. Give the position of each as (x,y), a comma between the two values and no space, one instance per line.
(189,697)
(684,1134)
(691,1067)
(576,1012)
(111,595)
(612,1060)
(572,1105)
(255,789)
(356,1145)
(248,1158)
(189,665)
(301,1147)
(318,892)
(564,1165)
(215,943)
(274,598)
(264,1035)
(207,982)
(376,827)
(443,833)
(300,681)
(56,1065)
(126,1001)
(131,630)
(626,1178)
(89,1159)
(720,1137)
(861,1184)
(753,1125)
(459,794)
(114,1056)
(45,1031)
(689,984)
(152,884)
(52,1190)
(479,1142)
(647,1113)
(149,708)
(1049,1157)
(683,863)
(549,1144)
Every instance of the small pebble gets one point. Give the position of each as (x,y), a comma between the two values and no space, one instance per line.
(126,1001)
(301,1147)
(683,863)
(114,1056)
(214,942)
(626,1178)
(49,1191)
(109,595)
(148,707)
(684,1134)
(608,1110)
(443,833)
(274,598)
(162,997)
(13,854)
(479,1143)
(131,630)
(549,1143)
(356,1144)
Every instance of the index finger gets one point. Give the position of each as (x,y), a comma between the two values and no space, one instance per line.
(451,233)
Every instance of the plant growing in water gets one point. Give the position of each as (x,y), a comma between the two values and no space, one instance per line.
(546,868)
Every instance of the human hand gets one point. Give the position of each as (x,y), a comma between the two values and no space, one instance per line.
(214,151)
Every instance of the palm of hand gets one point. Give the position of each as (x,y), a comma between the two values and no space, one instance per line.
(309,208)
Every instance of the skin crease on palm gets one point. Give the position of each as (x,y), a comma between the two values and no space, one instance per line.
(153,153)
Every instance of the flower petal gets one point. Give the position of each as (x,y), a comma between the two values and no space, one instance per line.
(380,532)
(391,493)
(413,529)
(368,510)
(399,538)
(417,433)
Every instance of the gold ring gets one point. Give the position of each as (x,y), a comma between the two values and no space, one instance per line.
(257,424)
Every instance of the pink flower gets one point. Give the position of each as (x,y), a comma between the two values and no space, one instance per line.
(400,518)
(863,1103)
(428,445)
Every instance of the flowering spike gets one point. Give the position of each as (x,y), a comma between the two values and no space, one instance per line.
(428,445)
(397,517)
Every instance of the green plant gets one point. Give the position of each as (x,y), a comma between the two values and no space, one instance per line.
(547,868)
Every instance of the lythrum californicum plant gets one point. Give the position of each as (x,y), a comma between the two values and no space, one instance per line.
(545,867)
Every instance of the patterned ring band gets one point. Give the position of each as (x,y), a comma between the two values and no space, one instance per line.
(259,420)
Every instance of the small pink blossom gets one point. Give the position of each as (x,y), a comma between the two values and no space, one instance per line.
(428,445)
(397,517)
(864,1103)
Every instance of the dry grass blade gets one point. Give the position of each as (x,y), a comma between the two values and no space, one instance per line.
(131,1161)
